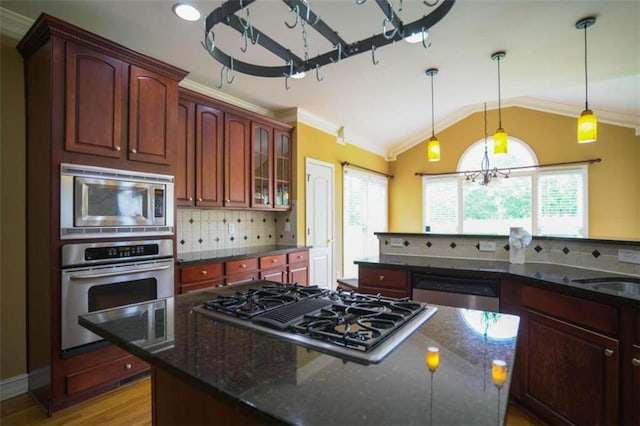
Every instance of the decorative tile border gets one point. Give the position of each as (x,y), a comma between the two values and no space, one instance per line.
(590,254)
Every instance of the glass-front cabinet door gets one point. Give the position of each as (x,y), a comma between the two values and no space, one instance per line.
(261,166)
(282,170)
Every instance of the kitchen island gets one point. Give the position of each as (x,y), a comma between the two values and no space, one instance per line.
(208,371)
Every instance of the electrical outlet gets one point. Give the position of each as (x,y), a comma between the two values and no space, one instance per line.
(232,228)
(487,246)
(629,256)
(287,227)
(395,242)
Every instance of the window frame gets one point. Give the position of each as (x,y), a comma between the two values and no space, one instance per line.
(534,172)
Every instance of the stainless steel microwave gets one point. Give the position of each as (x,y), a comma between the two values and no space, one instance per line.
(98,202)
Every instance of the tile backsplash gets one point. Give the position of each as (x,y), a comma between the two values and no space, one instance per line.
(590,254)
(199,229)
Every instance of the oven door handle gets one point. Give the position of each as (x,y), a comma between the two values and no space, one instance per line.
(112,274)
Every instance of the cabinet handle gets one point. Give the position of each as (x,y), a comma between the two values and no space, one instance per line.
(608,352)
(203,272)
(381,277)
(128,366)
(117,148)
(199,199)
(274,261)
(299,257)
(635,362)
(242,265)
(133,150)
(190,198)
(227,201)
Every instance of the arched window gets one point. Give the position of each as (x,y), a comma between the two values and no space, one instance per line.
(550,201)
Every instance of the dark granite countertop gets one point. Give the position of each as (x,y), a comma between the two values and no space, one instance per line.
(558,277)
(301,386)
(195,257)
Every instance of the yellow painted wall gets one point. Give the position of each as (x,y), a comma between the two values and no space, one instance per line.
(614,184)
(13,344)
(319,145)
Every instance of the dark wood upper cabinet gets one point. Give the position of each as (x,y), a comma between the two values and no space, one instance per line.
(185,154)
(95,101)
(237,158)
(209,159)
(282,169)
(261,166)
(153,116)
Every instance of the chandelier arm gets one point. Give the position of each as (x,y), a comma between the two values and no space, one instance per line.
(510,169)
(318,24)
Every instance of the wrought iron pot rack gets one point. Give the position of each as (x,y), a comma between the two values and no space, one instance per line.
(342,49)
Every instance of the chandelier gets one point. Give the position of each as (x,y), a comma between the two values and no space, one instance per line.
(486,173)
(392,29)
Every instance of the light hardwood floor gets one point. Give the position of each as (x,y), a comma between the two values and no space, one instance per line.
(130,406)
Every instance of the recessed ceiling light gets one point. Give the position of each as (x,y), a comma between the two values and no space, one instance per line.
(416,37)
(186,11)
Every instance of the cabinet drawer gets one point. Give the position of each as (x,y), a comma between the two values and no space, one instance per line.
(241,266)
(273,261)
(188,288)
(383,278)
(298,257)
(383,291)
(104,373)
(586,313)
(204,272)
(241,278)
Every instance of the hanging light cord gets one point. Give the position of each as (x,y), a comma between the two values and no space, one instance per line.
(586,83)
(499,97)
(433,131)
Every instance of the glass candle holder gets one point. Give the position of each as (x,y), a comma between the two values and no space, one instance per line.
(433,358)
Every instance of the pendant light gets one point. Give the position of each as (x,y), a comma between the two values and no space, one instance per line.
(433,146)
(587,123)
(500,138)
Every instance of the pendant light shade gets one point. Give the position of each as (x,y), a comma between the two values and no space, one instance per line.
(587,127)
(500,138)
(587,123)
(433,145)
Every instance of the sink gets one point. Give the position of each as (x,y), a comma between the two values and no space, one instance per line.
(626,287)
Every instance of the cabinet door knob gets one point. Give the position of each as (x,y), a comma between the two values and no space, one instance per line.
(635,362)
(608,352)
(117,148)
(381,277)
(133,150)
(199,199)
(190,198)
(274,261)
(128,366)
(203,272)
(227,201)
(242,265)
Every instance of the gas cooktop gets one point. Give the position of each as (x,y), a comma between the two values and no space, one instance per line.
(363,328)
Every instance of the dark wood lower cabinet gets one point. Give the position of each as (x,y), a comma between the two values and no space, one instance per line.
(635,392)
(570,373)
(386,281)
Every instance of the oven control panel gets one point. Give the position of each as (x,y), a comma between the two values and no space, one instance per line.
(117,252)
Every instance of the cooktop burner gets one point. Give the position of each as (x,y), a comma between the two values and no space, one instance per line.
(359,327)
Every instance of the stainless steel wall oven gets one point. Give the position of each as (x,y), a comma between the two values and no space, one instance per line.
(97,276)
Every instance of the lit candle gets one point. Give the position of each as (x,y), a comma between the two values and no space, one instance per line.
(433,358)
(499,372)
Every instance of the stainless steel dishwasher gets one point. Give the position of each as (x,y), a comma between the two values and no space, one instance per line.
(457,291)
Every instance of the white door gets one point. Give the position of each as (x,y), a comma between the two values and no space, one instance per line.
(319,219)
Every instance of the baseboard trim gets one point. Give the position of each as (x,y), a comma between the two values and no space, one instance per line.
(14,386)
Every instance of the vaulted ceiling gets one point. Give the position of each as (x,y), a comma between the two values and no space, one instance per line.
(386,108)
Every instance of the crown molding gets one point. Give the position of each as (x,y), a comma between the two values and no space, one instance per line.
(13,24)
(221,96)
(342,135)
(615,118)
